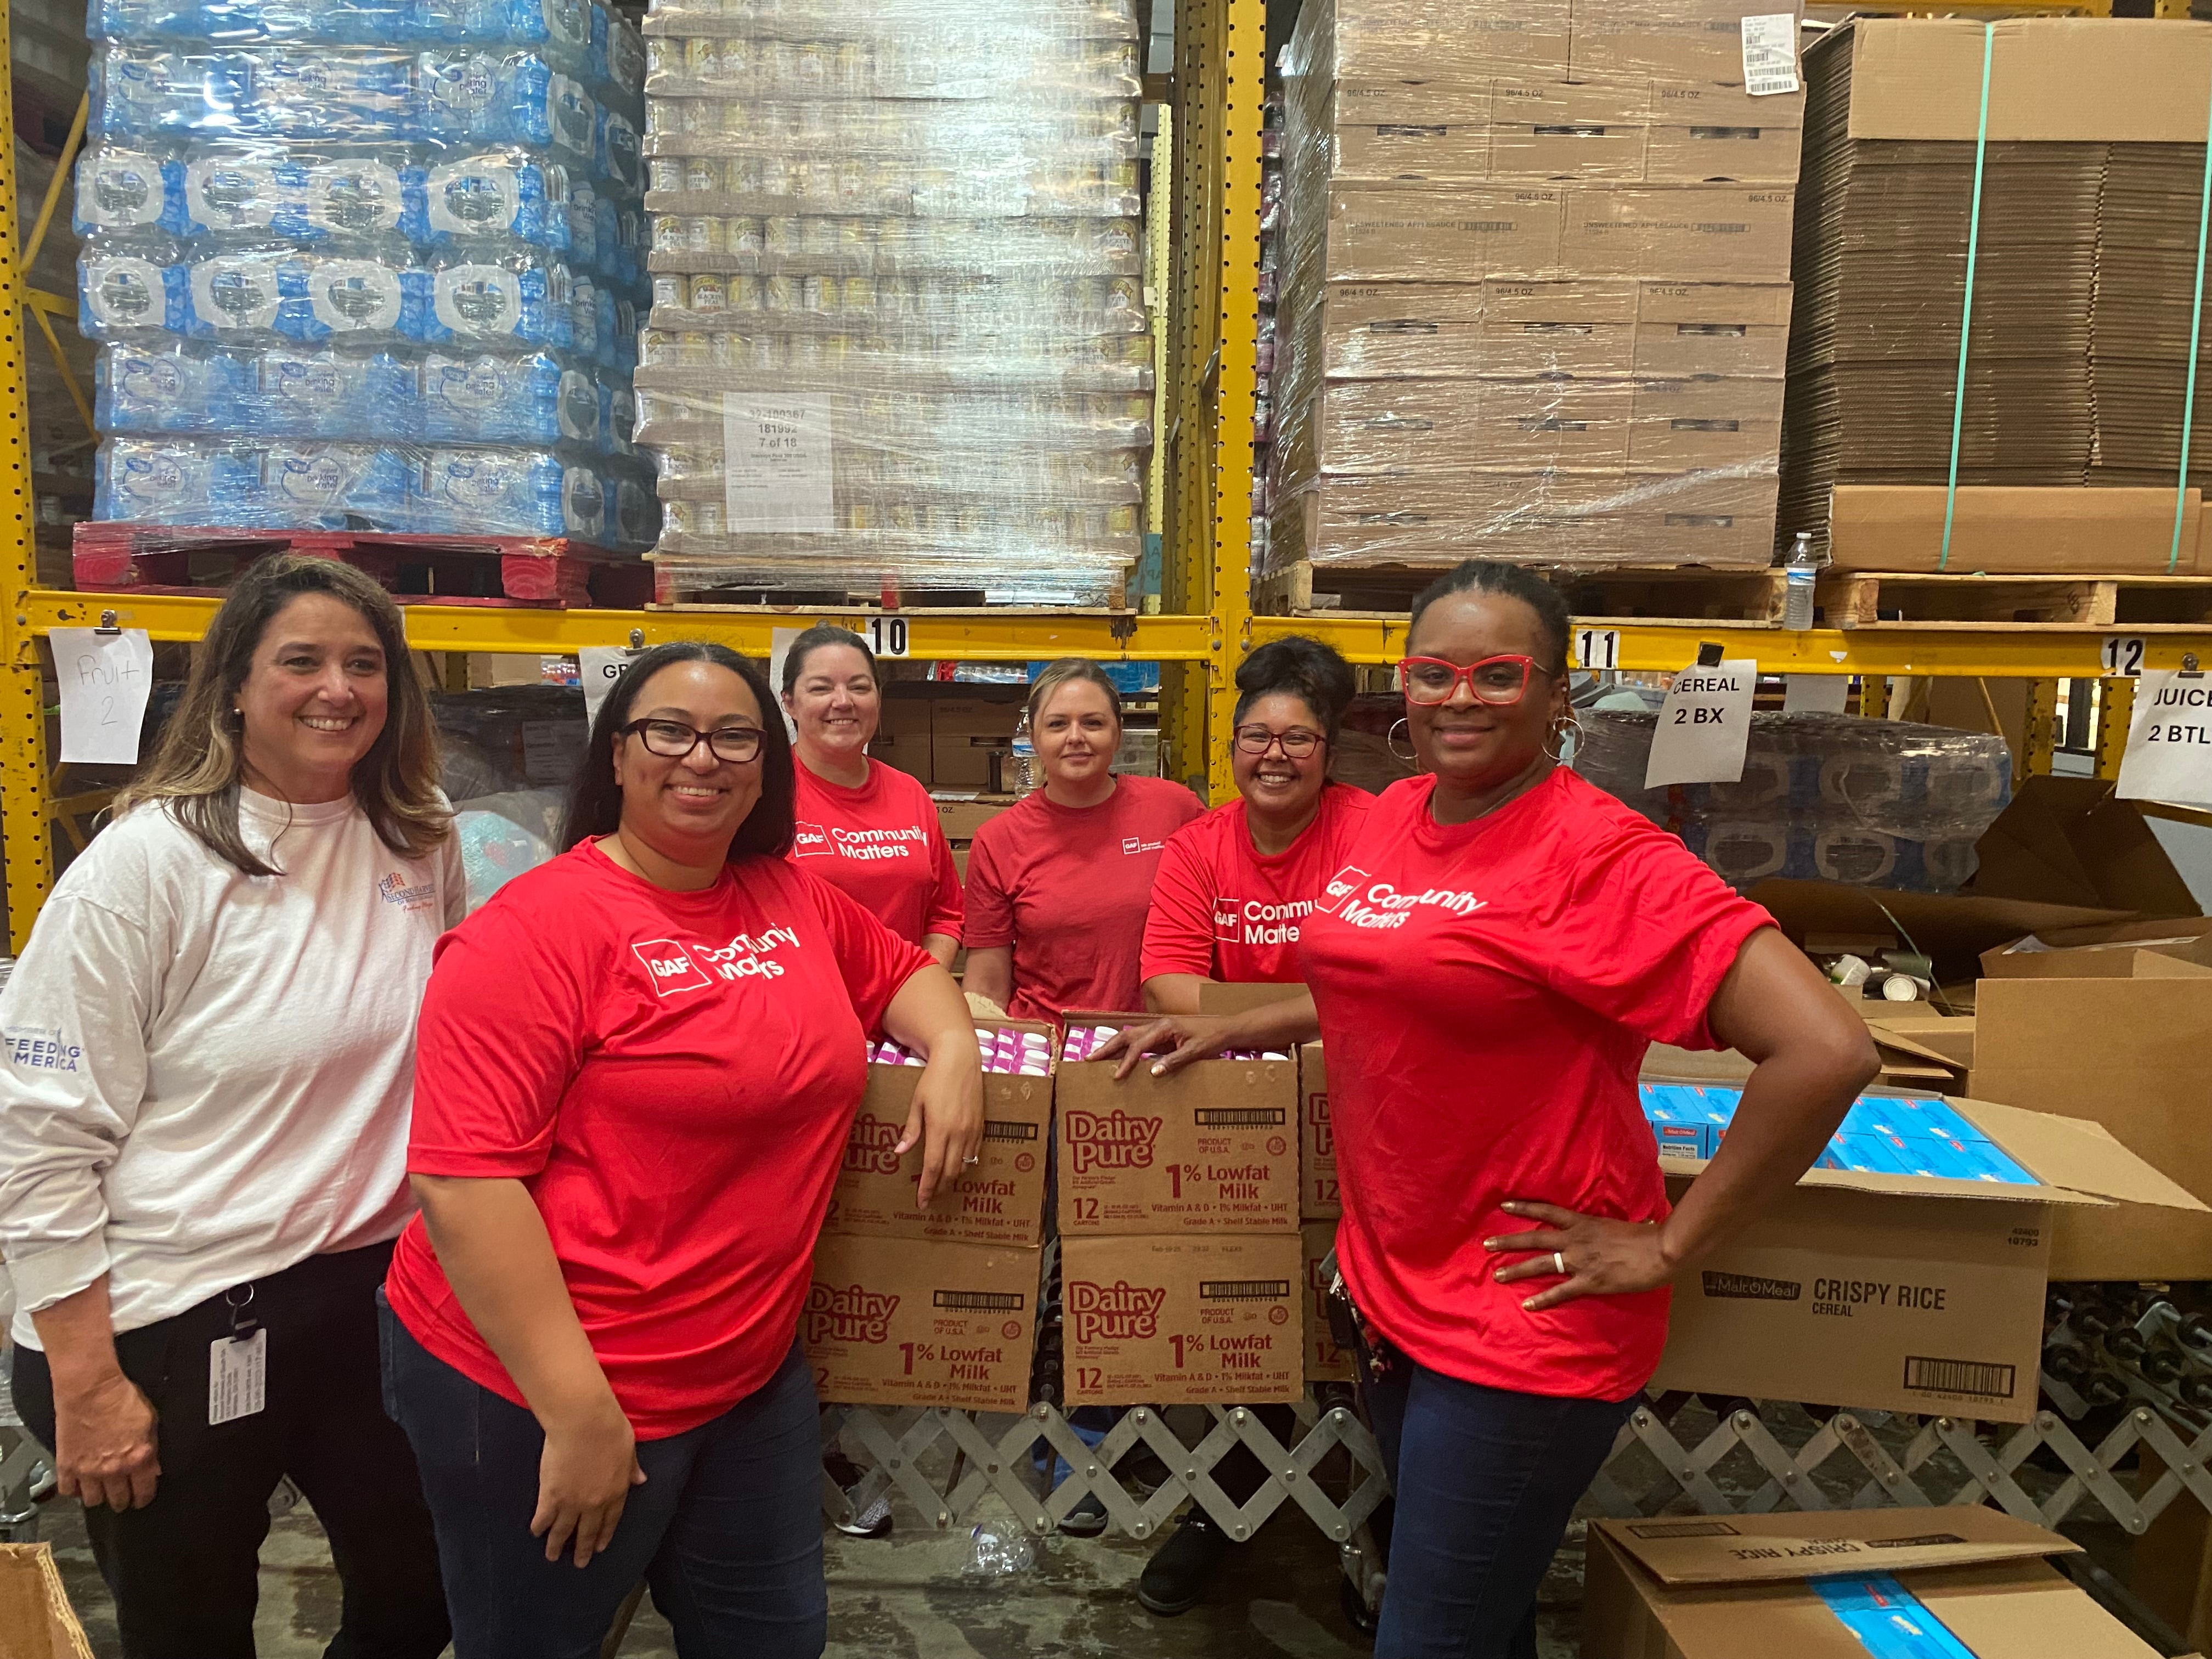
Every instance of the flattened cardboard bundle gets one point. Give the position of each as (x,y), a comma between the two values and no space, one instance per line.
(1750,1586)
(1211,1148)
(1902,1291)
(997,1201)
(894,1321)
(1325,1361)
(1184,1319)
(36,1621)
(1319,1199)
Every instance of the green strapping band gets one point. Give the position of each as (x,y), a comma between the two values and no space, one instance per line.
(1966,312)
(2196,321)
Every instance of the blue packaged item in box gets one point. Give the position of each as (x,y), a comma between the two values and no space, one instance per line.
(491,397)
(1683,1139)
(334,486)
(1985,1161)
(309,393)
(1867,1154)
(489,491)
(169,387)
(175,480)
(1889,1621)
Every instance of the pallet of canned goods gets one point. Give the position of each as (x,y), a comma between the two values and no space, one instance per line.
(897,335)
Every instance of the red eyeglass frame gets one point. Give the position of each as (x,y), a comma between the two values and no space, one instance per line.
(1530,667)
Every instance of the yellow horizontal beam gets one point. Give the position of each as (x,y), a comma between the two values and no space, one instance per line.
(2025,652)
(970,635)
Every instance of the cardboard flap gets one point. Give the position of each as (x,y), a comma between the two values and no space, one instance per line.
(2076,1155)
(1745,1549)
(2072,840)
(1953,930)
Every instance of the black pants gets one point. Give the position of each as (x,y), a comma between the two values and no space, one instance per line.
(182,1569)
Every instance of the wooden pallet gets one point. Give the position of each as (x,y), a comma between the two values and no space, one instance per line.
(537,571)
(1684,593)
(671,593)
(1867,599)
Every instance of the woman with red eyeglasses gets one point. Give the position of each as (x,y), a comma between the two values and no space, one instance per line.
(1502,944)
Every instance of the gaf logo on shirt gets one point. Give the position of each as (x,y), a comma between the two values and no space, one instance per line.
(872,1148)
(1120,1312)
(1132,845)
(809,841)
(1225,931)
(1113,1140)
(852,1315)
(670,967)
(1341,886)
(394,890)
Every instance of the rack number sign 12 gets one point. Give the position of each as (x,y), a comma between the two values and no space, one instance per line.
(2123,656)
(1597,647)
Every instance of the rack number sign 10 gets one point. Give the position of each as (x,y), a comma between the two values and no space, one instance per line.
(887,635)
(1597,647)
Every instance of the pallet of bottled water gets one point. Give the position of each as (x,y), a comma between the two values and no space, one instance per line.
(368,265)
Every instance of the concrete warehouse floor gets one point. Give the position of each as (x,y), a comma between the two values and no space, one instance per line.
(905,1598)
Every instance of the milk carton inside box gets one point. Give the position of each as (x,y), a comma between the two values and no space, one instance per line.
(999,1200)
(1183,1320)
(1211,1148)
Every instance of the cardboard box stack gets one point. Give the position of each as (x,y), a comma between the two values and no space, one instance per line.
(898,332)
(957,743)
(1537,290)
(936,1308)
(2092,181)
(1182,1271)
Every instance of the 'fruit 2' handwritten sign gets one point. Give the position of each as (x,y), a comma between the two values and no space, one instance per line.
(104,679)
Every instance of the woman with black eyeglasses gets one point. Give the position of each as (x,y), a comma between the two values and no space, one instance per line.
(1234,886)
(1487,970)
(636,1069)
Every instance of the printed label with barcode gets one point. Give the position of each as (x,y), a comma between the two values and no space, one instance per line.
(977,1301)
(1770,54)
(1967,1377)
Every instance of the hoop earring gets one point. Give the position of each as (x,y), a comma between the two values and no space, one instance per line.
(1568,734)
(1390,743)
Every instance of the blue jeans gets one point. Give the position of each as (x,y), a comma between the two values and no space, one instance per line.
(726,1530)
(1486,1480)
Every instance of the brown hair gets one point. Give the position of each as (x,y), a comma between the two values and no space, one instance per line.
(196,772)
(1055,674)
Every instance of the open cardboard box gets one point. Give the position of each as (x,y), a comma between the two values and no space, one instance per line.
(1909,1293)
(36,1621)
(1740,1586)
(2128,1051)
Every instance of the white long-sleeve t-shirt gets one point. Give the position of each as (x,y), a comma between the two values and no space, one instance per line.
(204,1076)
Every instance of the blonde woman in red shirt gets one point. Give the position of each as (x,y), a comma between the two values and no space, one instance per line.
(1490,966)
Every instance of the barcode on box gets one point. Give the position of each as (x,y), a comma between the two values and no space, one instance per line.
(1967,1376)
(977,1301)
(1244,1290)
(1238,1117)
(1770,54)
(1002,1129)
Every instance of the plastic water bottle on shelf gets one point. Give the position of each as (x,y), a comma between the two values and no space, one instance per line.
(1024,769)
(1799,575)
(178,480)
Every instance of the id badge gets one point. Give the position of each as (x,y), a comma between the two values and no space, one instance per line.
(238,1377)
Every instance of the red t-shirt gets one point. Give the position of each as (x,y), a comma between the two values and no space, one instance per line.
(672,1076)
(881,845)
(1067,887)
(1224,911)
(1486,992)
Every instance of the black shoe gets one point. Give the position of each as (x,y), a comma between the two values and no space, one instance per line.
(1176,1577)
(1087,1519)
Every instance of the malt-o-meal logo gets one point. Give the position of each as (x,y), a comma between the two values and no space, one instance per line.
(872,1148)
(1120,1312)
(1109,1141)
(851,1315)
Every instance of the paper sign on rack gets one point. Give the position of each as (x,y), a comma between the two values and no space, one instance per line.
(1815,693)
(2169,754)
(776,463)
(598,668)
(106,679)
(1704,726)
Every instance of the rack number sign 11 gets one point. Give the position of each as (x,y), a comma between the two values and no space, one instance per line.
(1597,647)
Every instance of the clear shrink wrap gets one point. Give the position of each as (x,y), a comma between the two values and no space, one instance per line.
(1534,283)
(362,266)
(1829,797)
(897,334)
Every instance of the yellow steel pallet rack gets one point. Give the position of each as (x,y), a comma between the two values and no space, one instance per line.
(1206,623)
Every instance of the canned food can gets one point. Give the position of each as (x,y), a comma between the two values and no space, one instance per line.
(709,292)
(695,348)
(860,296)
(780,293)
(743,294)
(744,236)
(703,234)
(702,175)
(711,520)
(671,291)
(665,172)
(781,238)
(813,294)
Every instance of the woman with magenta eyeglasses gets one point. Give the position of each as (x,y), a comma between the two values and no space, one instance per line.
(1508,941)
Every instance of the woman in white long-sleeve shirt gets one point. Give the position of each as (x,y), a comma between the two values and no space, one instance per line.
(206,1063)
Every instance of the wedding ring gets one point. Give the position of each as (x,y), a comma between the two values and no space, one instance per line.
(1559,1263)
(978,1159)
